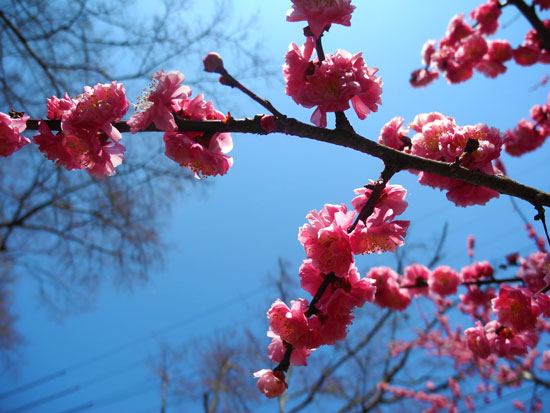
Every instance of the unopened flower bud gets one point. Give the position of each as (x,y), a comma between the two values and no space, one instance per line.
(213,63)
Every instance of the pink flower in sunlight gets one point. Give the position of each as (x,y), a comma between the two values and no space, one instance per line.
(88,139)
(532,271)
(477,271)
(271,383)
(416,274)
(290,323)
(378,237)
(390,203)
(444,280)
(457,30)
(202,153)
(471,49)
(423,77)
(505,342)
(276,351)
(428,49)
(340,79)
(155,105)
(525,137)
(477,341)
(388,294)
(10,134)
(326,241)
(513,309)
(526,55)
(320,14)
(487,16)
(392,133)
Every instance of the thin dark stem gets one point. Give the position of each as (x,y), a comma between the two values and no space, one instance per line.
(377,188)
(285,362)
(541,216)
(329,278)
(228,80)
(423,284)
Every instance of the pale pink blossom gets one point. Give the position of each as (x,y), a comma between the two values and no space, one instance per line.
(427,51)
(444,280)
(321,14)
(390,203)
(155,105)
(532,271)
(519,405)
(326,240)
(10,134)
(425,118)
(331,85)
(271,383)
(378,237)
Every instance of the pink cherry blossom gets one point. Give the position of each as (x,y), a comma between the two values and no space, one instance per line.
(290,324)
(155,106)
(513,309)
(477,271)
(471,49)
(378,237)
(276,351)
(477,341)
(499,50)
(427,51)
(388,294)
(416,274)
(477,302)
(390,203)
(487,16)
(88,139)
(423,77)
(457,30)
(524,138)
(203,154)
(526,55)
(444,280)
(10,134)
(532,271)
(392,133)
(505,342)
(271,383)
(331,85)
(326,240)
(320,14)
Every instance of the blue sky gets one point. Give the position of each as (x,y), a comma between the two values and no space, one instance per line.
(226,235)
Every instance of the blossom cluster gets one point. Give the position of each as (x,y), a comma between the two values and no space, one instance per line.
(330,240)
(203,153)
(528,135)
(89,140)
(465,48)
(332,81)
(439,138)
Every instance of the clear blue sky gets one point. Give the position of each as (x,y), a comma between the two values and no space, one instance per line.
(226,236)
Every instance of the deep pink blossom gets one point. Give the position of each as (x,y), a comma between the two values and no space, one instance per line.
(155,105)
(477,271)
(378,238)
(477,341)
(390,203)
(392,133)
(513,309)
(320,15)
(533,270)
(204,154)
(427,51)
(471,49)
(505,342)
(276,351)
(326,240)
(526,55)
(416,274)
(340,79)
(487,16)
(477,302)
(423,77)
(271,383)
(290,324)
(388,294)
(525,137)
(444,280)
(457,30)
(10,134)
(88,139)
(499,50)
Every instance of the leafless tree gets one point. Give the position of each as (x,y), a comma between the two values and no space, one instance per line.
(67,230)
